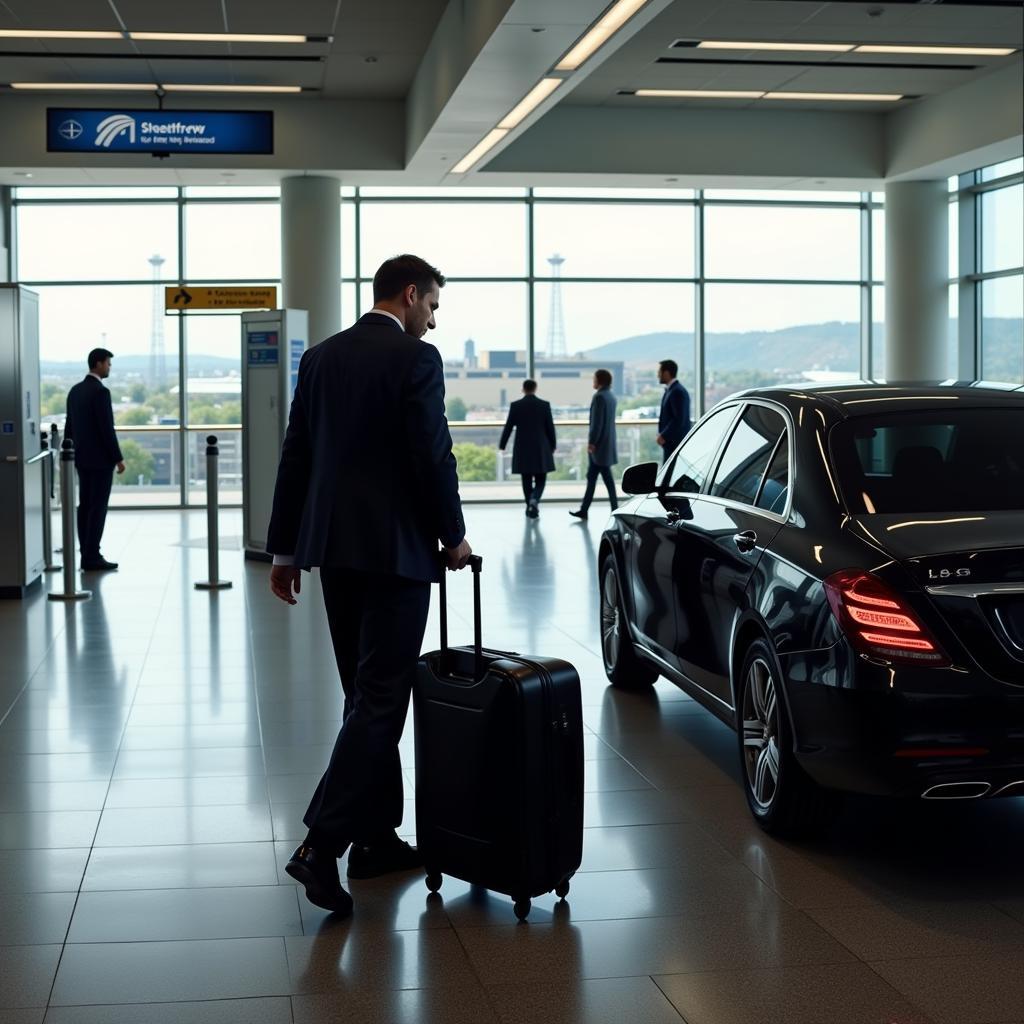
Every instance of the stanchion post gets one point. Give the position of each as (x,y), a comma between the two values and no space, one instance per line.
(214,582)
(47,468)
(67,520)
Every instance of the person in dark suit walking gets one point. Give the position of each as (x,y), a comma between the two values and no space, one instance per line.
(600,443)
(533,451)
(674,417)
(90,424)
(366,487)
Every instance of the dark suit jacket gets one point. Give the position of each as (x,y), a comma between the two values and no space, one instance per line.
(534,446)
(674,420)
(90,424)
(602,428)
(367,479)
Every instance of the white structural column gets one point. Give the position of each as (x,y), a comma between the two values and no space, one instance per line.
(916,279)
(311,252)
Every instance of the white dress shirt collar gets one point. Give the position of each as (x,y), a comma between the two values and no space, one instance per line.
(384,312)
(96,375)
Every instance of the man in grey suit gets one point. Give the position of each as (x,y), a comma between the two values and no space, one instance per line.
(533,452)
(601,443)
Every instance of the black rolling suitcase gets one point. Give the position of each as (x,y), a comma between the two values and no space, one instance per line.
(499,767)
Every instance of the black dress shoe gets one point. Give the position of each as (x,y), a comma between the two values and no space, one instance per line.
(318,873)
(101,565)
(578,513)
(382,858)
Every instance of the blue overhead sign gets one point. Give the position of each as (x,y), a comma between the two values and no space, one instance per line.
(70,130)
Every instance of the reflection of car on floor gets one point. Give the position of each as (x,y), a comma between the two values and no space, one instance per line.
(838,574)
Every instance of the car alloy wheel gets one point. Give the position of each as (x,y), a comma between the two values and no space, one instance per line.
(761,733)
(611,635)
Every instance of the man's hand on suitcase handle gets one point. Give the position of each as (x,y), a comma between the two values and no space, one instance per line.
(458,558)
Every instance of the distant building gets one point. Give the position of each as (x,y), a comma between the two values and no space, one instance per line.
(469,357)
(497,376)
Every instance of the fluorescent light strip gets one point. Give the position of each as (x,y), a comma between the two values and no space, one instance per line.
(149,87)
(47,33)
(955,51)
(857,97)
(232,88)
(533,99)
(712,94)
(599,34)
(487,143)
(724,44)
(86,86)
(217,37)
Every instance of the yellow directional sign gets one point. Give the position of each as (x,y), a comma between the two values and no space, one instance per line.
(185,297)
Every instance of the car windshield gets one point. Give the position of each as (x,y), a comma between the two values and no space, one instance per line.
(961,460)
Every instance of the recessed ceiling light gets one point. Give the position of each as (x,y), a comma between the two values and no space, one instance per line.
(714,94)
(487,143)
(48,33)
(859,97)
(225,37)
(533,99)
(23,174)
(956,51)
(727,44)
(86,86)
(616,16)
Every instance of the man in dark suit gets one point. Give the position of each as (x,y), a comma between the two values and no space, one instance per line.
(90,424)
(674,418)
(366,487)
(601,448)
(533,451)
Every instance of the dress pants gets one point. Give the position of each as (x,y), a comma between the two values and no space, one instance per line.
(377,623)
(93,496)
(605,472)
(533,486)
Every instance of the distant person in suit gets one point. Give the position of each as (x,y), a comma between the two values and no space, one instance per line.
(601,448)
(366,487)
(533,451)
(674,418)
(90,424)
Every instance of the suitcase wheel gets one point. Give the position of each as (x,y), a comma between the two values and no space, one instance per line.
(434,880)
(522,909)
(562,889)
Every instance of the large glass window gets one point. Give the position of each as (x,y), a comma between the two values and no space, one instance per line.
(1002,329)
(236,240)
(97,242)
(799,243)
(612,240)
(1002,228)
(763,334)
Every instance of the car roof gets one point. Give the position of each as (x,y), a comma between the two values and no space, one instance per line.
(857,398)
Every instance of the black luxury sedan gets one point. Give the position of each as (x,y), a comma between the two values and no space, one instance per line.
(838,574)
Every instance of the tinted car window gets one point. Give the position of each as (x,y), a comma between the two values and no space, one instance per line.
(746,455)
(693,460)
(775,489)
(963,460)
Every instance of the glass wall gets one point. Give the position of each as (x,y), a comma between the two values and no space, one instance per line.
(756,287)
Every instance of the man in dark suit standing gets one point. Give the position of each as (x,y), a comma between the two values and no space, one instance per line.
(90,424)
(533,451)
(366,487)
(674,418)
(601,449)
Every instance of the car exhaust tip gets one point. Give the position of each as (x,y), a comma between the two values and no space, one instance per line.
(956,791)
(1011,789)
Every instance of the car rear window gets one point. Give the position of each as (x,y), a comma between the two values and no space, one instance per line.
(959,460)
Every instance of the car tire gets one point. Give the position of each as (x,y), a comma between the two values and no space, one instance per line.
(623,667)
(783,798)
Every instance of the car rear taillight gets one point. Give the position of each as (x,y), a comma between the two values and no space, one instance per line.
(879,622)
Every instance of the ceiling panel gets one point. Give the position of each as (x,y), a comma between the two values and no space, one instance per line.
(76,14)
(180,16)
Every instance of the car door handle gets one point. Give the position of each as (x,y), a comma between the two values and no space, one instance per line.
(746,540)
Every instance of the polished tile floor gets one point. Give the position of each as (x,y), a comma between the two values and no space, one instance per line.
(158,744)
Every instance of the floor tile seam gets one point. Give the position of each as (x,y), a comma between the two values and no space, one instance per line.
(998,950)
(902,995)
(665,996)
(473,967)
(255,689)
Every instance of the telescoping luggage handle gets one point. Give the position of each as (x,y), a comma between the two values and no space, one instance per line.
(475,564)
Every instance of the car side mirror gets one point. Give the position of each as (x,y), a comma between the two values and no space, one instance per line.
(640,479)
